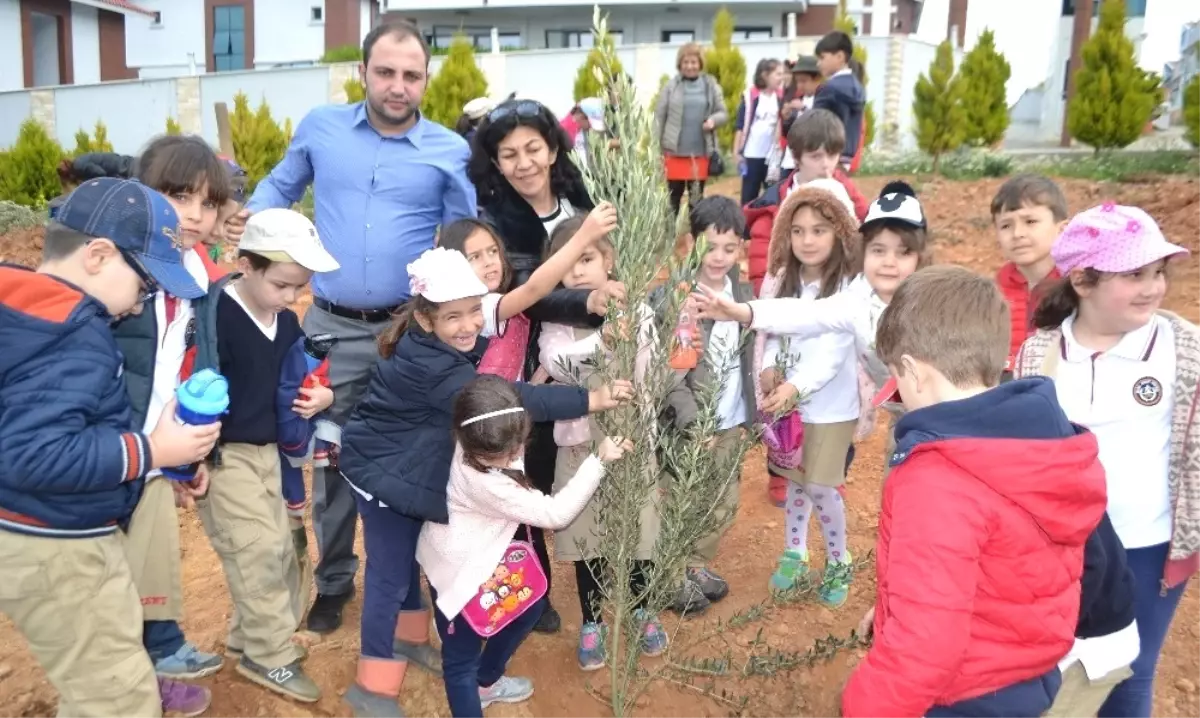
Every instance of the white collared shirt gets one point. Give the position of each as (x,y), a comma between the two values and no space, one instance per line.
(172,344)
(823,369)
(724,355)
(1125,397)
(1104,654)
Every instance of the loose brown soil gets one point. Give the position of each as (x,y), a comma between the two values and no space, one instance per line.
(958,212)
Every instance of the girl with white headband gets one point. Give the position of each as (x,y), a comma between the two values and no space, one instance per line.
(470,560)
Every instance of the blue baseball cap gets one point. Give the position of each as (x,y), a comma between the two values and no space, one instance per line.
(139,221)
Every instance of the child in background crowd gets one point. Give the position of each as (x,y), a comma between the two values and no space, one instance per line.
(157,344)
(397,448)
(214,243)
(983,524)
(505,324)
(815,252)
(565,354)
(757,140)
(244,512)
(71,471)
(797,99)
(1129,372)
(1029,212)
(472,114)
(488,497)
(895,244)
(729,360)
(842,92)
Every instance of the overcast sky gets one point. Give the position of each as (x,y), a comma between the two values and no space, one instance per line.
(1025,33)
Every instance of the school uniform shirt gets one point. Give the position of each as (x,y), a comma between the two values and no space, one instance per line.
(251,354)
(1125,396)
(724,354)
(823,368)
(760,138)
(173,320)
(485,508)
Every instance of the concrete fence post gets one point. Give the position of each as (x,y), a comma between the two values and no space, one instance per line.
(41,108)
(187,105)
(647,70)
(889,129)
(339,74)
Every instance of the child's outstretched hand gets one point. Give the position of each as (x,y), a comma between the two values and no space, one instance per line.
(612,449)
(719,307)
(610,396)
(315,400)
(600,221)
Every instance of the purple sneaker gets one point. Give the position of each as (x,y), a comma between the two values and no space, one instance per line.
(183,699)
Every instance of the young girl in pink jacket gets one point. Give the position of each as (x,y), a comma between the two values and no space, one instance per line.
(488,497)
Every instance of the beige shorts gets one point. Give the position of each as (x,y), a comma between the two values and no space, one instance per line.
(825,448)
(1083,696)
(74,601)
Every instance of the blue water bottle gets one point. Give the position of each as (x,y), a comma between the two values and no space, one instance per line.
(202,399)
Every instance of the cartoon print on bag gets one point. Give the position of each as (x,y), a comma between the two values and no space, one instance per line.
(516,556)
(1147,391)
(524,594)
(515,580)
(487,600)
(503,592)
(500,573)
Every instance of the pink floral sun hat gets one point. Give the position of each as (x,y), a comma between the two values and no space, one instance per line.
(1111,238)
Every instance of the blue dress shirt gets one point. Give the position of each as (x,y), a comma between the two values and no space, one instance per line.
(378,199)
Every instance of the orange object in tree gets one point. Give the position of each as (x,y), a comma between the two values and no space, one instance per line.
(685,356)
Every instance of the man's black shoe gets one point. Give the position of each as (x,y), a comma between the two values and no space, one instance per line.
(325,616)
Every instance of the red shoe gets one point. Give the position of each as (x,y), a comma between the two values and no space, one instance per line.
(777,490)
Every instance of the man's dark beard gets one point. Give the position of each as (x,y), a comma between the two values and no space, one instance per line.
(382,113)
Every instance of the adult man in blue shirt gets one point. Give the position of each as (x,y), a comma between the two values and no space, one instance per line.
(384,178)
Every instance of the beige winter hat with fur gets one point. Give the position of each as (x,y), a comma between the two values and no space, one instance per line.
(830,199)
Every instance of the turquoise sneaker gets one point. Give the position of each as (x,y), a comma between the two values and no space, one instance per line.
(654,636)
(591,647)
(790,571)
(188,663)
(835,584)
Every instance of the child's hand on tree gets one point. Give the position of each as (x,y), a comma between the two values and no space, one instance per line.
(600,221)
(612,449)
(610,396)
(782,398)
(719,307)
(768,380)
(615,330)
(315,400)
(597,301)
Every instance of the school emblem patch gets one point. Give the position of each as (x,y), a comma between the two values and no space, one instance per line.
(1147,391)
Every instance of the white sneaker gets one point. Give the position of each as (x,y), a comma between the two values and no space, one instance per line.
(509,689)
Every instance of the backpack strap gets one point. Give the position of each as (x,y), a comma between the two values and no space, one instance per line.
(1051,358)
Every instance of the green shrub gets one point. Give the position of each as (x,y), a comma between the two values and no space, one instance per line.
(937,107)
(18,216)
(173,127)
(590,81)
(725,63)
(345,53)
(354,90)
(1191,111)
(662,82)
(1114,98)
(984,73)
(259,143)
(29,170)
(85,143)
(457,82)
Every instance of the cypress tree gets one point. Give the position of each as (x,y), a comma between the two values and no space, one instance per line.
(590,81)
(725,63)
(937,107)
(1191,111)
(984,72)
(457,82)
(843,22)
(1114,98)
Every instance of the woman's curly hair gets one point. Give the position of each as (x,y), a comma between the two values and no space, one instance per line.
(490,185)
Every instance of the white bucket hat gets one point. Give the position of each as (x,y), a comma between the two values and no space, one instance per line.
(444,275)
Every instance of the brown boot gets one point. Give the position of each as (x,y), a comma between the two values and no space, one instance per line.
(412,641)
(376,689)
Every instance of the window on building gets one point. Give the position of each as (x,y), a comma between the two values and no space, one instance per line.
(480,38)
(752,33)
(559,39)
(316,13)
(1133,8)
(229,38)
(678,37)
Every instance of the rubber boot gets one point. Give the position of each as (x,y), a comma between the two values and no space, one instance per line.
(412,641)
(376,689)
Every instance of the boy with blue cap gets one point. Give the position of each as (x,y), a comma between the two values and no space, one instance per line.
(71,469)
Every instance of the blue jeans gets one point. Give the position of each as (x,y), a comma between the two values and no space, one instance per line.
(1134,697)
(162,638)
(468,663)
(393,579)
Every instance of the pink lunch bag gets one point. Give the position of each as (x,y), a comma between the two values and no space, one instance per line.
(516,585)
(784,439)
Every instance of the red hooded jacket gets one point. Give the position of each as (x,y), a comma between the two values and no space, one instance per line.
(1022,301)
(980,554)
(760,216)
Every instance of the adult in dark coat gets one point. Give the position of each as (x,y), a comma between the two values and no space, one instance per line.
(526,185)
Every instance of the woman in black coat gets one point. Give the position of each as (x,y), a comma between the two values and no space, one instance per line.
(526,186)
